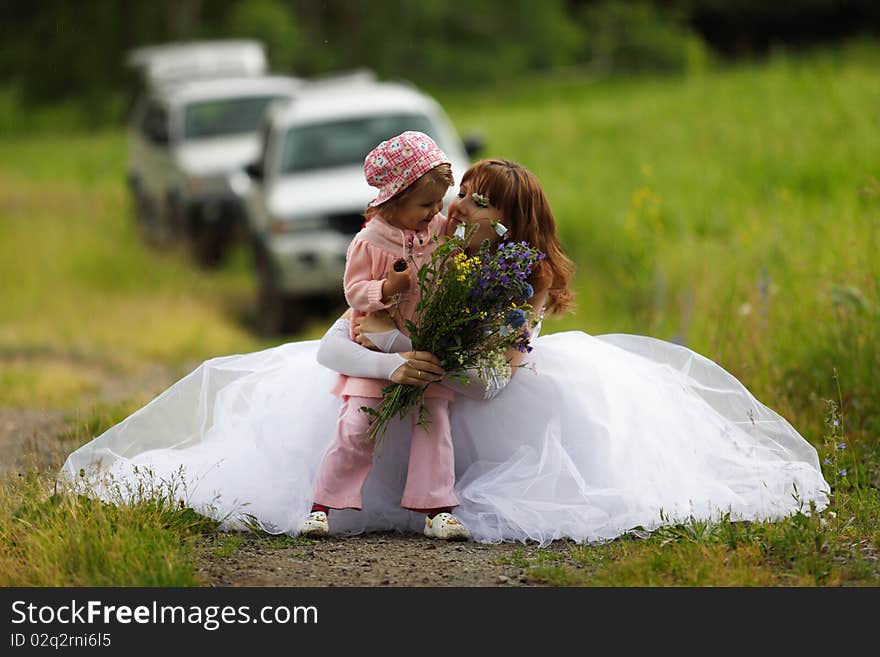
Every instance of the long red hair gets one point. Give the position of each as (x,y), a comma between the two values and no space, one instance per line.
(518,194)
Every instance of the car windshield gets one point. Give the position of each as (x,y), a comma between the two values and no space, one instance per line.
(225,116)
(340,143)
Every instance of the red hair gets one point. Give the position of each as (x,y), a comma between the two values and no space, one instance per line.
(516,192)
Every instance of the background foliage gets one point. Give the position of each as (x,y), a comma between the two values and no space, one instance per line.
(57,53)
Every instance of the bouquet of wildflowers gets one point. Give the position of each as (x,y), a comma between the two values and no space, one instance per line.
(471,311)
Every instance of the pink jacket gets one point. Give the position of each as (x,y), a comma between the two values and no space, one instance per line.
(370,257)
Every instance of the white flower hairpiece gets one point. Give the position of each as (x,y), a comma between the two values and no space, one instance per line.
(500,228)
(481,200)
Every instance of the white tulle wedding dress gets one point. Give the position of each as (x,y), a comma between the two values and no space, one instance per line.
(605,434)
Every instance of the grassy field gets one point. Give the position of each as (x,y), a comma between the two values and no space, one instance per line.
(737,212)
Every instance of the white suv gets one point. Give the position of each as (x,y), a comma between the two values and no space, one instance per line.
(309,192)
(190,60)
(188,142)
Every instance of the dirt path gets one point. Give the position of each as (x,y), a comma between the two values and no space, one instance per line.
(28,438)
(378,559)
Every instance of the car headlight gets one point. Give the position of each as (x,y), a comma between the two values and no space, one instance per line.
(281,226)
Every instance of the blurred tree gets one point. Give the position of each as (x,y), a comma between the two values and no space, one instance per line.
(452,42)
(755,27)
(629,36)
(58,50)
(183,18)
(320,22)
(272,22)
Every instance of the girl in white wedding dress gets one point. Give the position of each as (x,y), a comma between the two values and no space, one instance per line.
(596,436)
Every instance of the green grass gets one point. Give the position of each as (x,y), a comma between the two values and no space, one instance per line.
(52,537)
(75,276)
(838,547)
(736,211)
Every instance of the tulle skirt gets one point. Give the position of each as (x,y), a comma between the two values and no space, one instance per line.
(599,436)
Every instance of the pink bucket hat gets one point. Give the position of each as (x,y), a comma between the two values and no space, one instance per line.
(398,162)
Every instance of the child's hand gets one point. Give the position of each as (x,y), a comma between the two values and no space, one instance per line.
(396,281)
(377,322)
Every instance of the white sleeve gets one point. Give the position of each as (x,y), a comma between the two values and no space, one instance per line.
(475,385)
(467,382)
(340,353)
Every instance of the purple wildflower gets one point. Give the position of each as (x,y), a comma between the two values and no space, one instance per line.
(515,318)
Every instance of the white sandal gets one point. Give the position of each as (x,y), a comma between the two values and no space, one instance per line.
(316,525)
(447,527)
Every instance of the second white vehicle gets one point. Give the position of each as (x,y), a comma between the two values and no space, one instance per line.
(309,191)
(189,141)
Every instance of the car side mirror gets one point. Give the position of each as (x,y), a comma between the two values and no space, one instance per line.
(473,144)
(254,170)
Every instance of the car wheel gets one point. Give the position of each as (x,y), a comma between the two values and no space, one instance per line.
(277,313)
(150,221)
(206,246)
(144,211)
(138,204)
(173,218)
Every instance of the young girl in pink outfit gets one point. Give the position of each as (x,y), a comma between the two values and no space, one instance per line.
(403,222)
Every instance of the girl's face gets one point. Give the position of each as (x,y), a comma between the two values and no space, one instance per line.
(465,210)
(417,210)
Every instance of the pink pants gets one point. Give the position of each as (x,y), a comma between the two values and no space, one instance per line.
(430,475)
